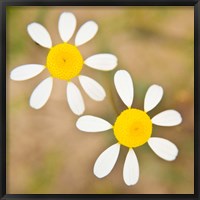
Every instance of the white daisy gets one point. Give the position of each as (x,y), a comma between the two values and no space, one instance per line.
(64,61)
(132,128)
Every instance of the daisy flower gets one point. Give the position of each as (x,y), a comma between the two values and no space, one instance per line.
(65,62)
(132,128)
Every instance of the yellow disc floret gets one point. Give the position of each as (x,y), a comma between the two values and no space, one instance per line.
(64,61)
(132,128)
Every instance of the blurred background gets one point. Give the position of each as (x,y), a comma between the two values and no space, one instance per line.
(46,152)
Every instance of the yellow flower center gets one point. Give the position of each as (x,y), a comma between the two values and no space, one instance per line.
(64,61)
(133,128)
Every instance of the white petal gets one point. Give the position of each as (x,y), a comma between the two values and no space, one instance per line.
(41,93)
(131,168)
(25,72)
(153,96)
(106,161)
(39,34)
(92,88)
(75,99)
(90,123)
(124,86)
(86,32)
(103,62)
(167,118)
(163,148)
(66,26)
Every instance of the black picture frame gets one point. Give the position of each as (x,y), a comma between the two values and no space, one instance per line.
(5,3)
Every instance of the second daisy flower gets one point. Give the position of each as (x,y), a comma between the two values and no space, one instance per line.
(132,128)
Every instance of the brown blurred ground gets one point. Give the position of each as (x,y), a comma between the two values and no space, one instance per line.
(47,154)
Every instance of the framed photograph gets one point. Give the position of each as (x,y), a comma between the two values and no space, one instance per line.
(99,99)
